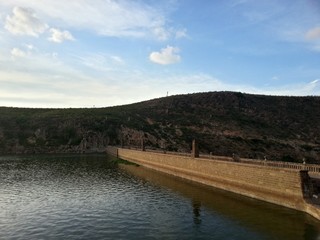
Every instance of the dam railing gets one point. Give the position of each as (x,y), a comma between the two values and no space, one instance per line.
(277,164)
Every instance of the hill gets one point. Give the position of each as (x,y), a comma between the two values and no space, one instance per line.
(253,126)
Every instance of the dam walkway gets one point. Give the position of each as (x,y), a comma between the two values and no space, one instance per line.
(313,169)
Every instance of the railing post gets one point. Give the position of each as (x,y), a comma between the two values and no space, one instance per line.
(306,184)
(142,145)
(195,149)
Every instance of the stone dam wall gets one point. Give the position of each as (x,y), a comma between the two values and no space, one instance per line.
(286,187)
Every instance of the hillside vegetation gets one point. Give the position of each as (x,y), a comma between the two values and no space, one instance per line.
(252,126)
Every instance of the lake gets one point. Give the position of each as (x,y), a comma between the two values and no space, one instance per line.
(90,197)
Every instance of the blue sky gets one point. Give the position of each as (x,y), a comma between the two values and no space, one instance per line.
(85,53)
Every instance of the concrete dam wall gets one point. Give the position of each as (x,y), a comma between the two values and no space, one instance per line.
(286,187)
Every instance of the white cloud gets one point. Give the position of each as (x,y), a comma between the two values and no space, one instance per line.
(43,81)
(16,52)
(23,21)
(313,34)
(311,88)
(110,18)
(123,18)
(59,36)
(317,81)
(166,56)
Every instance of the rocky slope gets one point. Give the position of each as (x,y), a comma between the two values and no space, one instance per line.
(253,126)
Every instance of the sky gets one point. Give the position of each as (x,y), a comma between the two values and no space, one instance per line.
(99,53)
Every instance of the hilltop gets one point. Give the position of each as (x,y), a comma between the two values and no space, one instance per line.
(253,126)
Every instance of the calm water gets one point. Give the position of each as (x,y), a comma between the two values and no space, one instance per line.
(86,197)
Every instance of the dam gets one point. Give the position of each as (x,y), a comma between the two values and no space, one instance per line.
(285,184)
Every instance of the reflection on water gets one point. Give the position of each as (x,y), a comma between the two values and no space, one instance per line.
(88,197)
(268,219)
(196,211)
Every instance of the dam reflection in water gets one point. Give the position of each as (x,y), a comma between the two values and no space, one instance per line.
(88,197)
(269,220)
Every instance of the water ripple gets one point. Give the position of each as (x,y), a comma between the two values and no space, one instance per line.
(87,197)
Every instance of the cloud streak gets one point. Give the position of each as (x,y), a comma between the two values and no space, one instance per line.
(55,84)
(122,18)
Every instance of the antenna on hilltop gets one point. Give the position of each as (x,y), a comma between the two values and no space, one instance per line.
(167,93)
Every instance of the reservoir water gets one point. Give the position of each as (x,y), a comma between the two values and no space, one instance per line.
(89,197)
